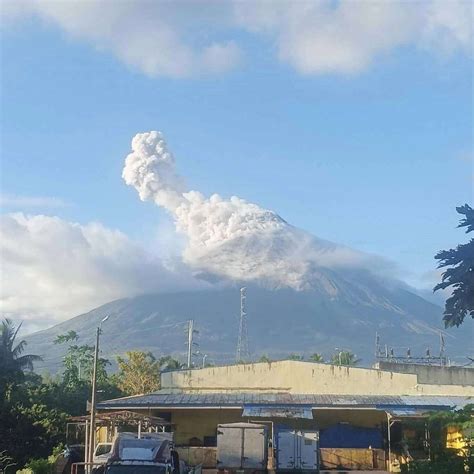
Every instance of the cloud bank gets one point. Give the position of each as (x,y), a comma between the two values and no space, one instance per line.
(157,38)
(233,238)
(22,202)
(346,37)
(53,269)
(183,39)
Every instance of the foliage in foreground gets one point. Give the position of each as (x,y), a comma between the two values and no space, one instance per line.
(13,362)
(34,410)
(459,275)
(443,460)
(448,463)
(6,462)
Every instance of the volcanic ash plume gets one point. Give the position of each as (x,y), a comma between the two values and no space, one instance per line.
(150,170)
(228,237)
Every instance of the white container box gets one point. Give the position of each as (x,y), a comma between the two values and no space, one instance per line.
(297,450)
(242,446)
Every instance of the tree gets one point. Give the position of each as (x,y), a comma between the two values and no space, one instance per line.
(67,337)
(29,429)
(316,357)
(445,460)
(295,357)
(33,417)
(139,373)
(169,363)
(6,462)
(460,274)
(265,358)
(344,358)
(12,362)
(79,361)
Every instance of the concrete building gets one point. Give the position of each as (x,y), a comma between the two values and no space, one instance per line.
(359,414)
(445,375)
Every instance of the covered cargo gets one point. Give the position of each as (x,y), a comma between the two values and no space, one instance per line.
(344,435)
(152,447)
(242,446)
(147,453)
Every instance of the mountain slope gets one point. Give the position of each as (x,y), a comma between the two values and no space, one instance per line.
(343,310)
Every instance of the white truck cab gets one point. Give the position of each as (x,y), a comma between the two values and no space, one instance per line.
(102,453)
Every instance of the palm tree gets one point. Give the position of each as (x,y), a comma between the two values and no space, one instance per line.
(6,462)
(344,358)
(12,362)
(316,357)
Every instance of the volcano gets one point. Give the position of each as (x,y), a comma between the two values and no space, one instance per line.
(304,294)
(345,311)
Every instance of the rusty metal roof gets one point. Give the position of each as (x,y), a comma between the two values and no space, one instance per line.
(123,416)
(161,400)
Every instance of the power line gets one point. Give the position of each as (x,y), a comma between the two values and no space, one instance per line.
(389,355)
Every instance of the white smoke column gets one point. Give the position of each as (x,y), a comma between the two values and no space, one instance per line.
(150,169)
(229,237)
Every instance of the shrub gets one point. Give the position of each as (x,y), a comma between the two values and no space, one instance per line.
(40,466)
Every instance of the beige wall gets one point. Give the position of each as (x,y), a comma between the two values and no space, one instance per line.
(199,423)
(303,378)
(432,374)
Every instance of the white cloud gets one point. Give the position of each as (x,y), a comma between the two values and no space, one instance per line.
(54,269)
(24,202)
(347,36)
(186,38)
(158,38)
(448,25)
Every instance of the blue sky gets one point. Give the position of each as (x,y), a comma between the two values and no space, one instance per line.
(376,159)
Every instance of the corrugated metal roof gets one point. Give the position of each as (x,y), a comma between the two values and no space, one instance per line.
(406,412)
(275,411)
(239,400)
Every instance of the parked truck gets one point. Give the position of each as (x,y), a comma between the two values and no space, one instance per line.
(148,453)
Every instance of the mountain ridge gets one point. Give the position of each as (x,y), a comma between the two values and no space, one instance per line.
(281,321)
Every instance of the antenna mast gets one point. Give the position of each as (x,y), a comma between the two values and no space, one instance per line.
(242,342)
(377,345)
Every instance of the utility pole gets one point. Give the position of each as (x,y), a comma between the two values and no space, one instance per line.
(442,353)
(190,341)
(94,394)
(242,341)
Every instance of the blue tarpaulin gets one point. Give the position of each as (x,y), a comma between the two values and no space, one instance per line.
(347,436)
